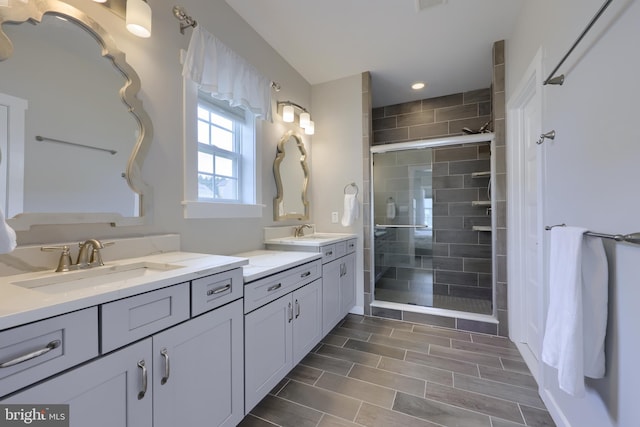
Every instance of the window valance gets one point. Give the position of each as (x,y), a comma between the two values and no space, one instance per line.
(225,74)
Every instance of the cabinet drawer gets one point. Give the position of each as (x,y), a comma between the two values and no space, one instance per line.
(46,348)
(133,318)
(262,291)
(328,253)
(351,245)
(213,291)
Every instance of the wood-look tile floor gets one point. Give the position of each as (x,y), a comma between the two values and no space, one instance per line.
(377,372)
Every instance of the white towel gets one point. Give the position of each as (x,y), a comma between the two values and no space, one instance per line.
(391,209)
(351,210)
(7,236)
(574,342)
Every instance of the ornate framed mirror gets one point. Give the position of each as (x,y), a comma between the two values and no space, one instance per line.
(80,156)
(292,177)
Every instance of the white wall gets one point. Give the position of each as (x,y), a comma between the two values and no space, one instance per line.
(591,178)
(337,159)
(157,62)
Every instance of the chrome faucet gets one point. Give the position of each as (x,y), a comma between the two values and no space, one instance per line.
(299,230)
(88,259)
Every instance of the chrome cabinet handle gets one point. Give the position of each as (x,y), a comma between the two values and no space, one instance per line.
(274,287)
(329,253)
(297,309)
(290,313)
(142,392)
(53,344)
(307,274)
(219,290)
(167,366)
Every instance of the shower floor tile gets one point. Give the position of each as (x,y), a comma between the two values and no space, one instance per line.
(421,295)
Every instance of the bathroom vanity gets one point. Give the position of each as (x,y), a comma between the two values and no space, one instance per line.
(283,316)
(144,340)
(338,270)
(142,350)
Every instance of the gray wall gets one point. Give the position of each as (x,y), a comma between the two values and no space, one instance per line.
(590,175)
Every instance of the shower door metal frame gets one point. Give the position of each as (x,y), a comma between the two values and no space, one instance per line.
(434,143)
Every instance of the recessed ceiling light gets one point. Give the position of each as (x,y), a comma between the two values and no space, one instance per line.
(418,86)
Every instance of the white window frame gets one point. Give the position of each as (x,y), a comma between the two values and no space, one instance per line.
(251,206)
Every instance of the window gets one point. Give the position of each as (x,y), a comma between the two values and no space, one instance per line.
(219,151)
(221,158)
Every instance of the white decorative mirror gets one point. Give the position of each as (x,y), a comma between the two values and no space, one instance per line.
(85,131)
(292,177)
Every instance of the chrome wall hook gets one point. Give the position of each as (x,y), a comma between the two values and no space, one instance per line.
(549,135)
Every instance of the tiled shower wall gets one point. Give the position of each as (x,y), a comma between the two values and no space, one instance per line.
(431,118)
(462,256)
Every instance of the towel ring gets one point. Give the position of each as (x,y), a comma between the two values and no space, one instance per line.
(353,184)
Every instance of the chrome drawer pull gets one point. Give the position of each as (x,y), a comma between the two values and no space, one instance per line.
(219,290)
(274,287)
(328,253)
(167,367)
(53,344)
(307,274)
(142,392)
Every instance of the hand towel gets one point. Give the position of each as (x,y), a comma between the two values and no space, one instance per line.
(351,210)
(7,236)
(391,209)
(574,343)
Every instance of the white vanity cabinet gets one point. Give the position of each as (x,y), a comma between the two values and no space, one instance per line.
(103,393)
(281,332)
(338,272)
(172,371)
(338,283)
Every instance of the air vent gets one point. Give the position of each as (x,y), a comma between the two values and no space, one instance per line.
(423,4)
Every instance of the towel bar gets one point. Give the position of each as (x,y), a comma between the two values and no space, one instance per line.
(633,238)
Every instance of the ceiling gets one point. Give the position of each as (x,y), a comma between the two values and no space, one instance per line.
(444,43)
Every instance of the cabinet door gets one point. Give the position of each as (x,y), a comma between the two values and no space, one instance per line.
(103,393)
(307,319)
(268,348)
(198,371)
(331,310)
(348,284)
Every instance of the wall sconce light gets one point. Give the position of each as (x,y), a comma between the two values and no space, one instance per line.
(288,116)
(138,18)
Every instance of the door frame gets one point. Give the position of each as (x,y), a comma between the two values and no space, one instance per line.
(530,87)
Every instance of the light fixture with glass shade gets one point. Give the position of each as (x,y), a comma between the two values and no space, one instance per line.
(289,116)
(310,129)
(138,18)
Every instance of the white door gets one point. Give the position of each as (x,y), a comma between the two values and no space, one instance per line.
(524,174)
(533,283)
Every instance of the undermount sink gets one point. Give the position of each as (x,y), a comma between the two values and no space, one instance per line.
(55,283)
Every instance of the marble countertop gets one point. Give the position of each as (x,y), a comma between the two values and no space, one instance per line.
(20,304)
(263,263)
(315,239)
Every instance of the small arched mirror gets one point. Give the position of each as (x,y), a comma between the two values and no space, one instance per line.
(292,176)
(84,131)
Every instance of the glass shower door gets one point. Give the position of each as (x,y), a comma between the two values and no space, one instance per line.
(403,222)
(432,216)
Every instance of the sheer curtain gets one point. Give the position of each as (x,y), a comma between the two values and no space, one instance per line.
(219,70)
